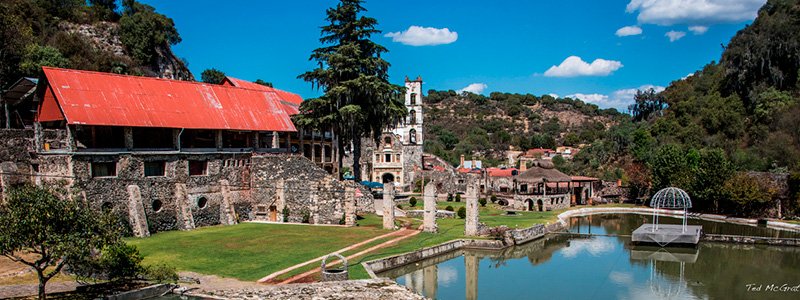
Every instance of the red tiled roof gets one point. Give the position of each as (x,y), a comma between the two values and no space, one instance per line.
(290,101)
(104,99)
(498,172)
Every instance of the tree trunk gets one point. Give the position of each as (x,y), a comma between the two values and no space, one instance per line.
(357,159)
(42,283)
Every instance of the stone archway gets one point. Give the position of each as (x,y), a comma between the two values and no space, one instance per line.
(529,204)
(387,177)
(540,204)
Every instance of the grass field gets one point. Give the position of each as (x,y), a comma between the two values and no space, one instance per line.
(251,251)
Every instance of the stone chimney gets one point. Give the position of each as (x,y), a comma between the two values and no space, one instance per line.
(523,166)
(474,165)
(462,160)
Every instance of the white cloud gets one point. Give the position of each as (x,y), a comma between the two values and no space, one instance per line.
(475,88)
(629,30)
(594,247)
(575,66)
(687,76)
(698,30)
(670,12)
(424,36)
(619,99)
(675,35)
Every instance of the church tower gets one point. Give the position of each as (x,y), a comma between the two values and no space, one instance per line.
(410,132)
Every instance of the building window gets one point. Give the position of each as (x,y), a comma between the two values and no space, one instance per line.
(198,167)
(377,158)
(412,117)
(157,205)
(104,169)
(412,136)
(154,168)
(202,202)
(387,158)
(387,141)
(413,99)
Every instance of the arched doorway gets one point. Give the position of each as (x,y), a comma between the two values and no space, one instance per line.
(387,177)
(540,204)
(529,204)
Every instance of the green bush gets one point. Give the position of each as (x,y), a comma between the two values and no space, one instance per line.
(482,201)
(458,197)
(161,273)
(462,212)
(412,201)
(449,197)
(449,208)
(121,261)
(494,199)
(306,217)
(285,212)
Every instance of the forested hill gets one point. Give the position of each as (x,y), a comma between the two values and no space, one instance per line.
(705,133)
(92,35)
(485,127)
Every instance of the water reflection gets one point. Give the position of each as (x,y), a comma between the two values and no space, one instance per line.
(606,267)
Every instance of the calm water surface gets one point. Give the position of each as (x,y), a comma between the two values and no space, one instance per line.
(608,267)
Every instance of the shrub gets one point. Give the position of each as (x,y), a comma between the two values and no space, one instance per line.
(494,199)
(462,212)
(121,261)
(161,274)
(449,208)
(458,197)
(306,217)
(285,212)
(482,201)
(449,197)
(412,201)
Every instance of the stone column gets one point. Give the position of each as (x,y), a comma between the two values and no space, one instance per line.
(388,206)
(280,200)
(275,140)
(349,205)
(429,200)
(136,214)
(471,223)
(128,134)
(430,278)
(218,140)
(227,215)
(471,265)
(183,207)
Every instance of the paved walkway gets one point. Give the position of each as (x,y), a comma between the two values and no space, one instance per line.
(348,248)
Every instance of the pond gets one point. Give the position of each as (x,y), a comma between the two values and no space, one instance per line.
(609,267)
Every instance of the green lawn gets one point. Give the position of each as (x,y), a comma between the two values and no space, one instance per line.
(248,251)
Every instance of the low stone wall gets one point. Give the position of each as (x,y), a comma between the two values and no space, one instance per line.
(723,238)
(351,289)
(440,214)
(524,235)
(384,264)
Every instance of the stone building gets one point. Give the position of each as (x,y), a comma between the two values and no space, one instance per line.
(542,188)
(397,157)
(166,154)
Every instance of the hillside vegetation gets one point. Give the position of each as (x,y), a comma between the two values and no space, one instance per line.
(88,35)
(704,132)
(484,128)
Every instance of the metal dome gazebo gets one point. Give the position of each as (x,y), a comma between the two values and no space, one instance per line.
(670,198)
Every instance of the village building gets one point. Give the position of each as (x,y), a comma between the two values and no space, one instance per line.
(167,154)
(542,188)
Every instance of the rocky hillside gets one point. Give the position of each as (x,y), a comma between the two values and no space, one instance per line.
(486,127)
(88,35)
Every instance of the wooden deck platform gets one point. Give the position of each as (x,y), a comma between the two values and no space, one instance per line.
(667,234)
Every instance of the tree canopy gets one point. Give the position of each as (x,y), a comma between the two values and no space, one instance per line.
(358,99)
(212,76)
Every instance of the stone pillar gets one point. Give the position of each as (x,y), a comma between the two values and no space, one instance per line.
(471,223)
(429,200)
(430,278)
(183,207)
(275,140)
(471,265)
(349,205)
(136,214)
(388,206)
(227,215)
(218,140)
(128,133)
(280,200)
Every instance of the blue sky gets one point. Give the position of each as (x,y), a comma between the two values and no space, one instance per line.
(507,46)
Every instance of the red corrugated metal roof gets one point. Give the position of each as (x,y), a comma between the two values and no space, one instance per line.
(94,98)
(290,101)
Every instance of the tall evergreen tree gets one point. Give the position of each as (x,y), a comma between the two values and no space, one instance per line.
(358,99)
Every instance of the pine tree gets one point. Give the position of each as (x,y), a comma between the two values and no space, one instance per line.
(358,99)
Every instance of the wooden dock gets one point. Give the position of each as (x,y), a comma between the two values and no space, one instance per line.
(667,234)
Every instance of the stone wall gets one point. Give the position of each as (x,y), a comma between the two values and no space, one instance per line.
(15,147)
(548,203)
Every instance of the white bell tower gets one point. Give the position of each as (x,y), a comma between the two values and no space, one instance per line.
(411,131)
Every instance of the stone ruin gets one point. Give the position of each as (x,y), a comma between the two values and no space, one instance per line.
(429,217)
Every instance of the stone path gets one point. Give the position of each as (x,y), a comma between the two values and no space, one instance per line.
(348,248)
(404,234)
